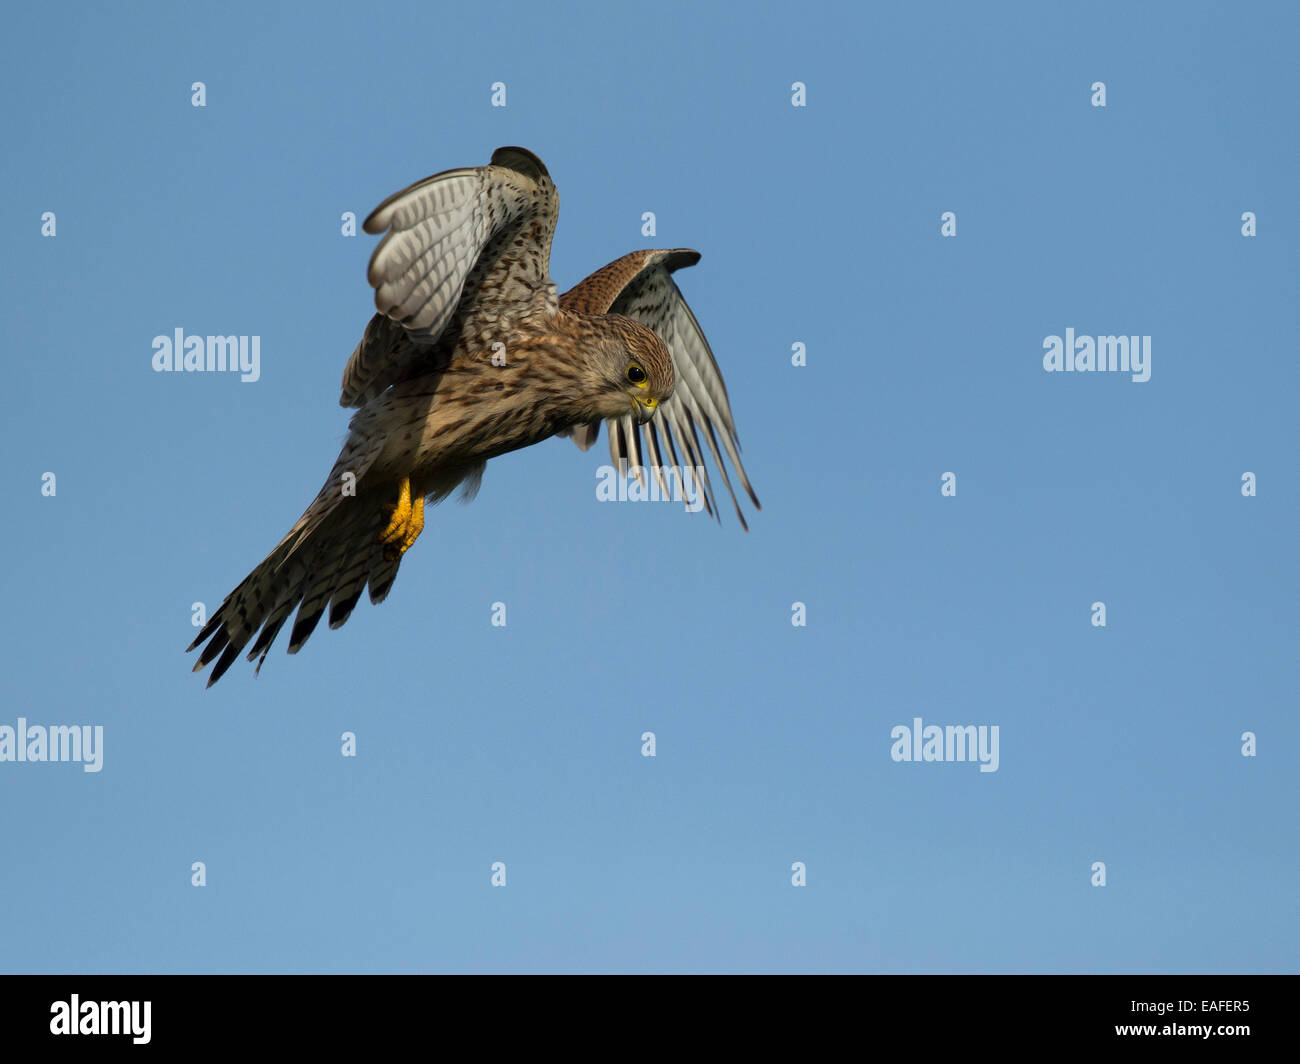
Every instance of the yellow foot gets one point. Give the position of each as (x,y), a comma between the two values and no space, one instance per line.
(405,523)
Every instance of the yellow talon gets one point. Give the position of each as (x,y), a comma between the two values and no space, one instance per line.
(404,524)
(416,525)
(400,516)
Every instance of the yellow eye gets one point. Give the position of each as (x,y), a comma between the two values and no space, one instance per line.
(636,375)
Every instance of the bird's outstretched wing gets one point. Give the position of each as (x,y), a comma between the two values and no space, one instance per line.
(639,286)
(469,249)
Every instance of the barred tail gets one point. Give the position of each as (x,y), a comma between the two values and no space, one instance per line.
(327,559)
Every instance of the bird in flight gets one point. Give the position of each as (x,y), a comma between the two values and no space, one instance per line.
(472,355)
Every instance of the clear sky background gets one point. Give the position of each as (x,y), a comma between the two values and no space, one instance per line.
(817,225)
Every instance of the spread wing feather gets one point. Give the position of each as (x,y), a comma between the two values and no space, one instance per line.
(466,248)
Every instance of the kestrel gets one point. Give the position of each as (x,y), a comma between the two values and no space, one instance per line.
(472,355)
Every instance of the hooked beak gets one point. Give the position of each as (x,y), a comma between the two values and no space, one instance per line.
(645,409)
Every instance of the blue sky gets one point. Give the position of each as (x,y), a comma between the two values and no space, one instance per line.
(817,225)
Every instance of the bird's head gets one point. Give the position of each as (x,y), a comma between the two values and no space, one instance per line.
(636,370)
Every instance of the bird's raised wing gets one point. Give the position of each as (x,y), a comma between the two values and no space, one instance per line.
(466,249)
(639,286)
